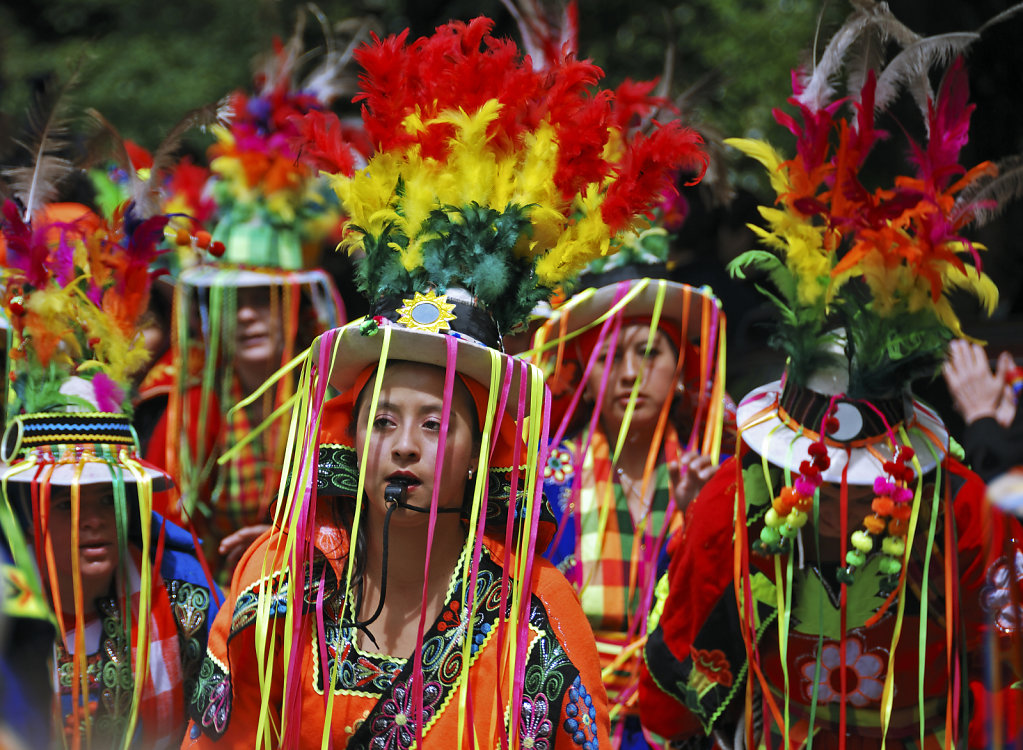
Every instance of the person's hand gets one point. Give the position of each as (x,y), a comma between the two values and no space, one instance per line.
(976,391)
(1007,405)
(233,546)
(695,469)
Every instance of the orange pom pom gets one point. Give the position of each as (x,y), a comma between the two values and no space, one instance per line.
(781,507)
(873,524)
(897,527)
(182,237)
(902,511)
(202,239)
(882,505)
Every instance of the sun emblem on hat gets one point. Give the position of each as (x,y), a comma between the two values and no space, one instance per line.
(426,312)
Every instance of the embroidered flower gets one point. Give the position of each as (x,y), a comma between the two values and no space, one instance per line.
(713,666)
(582,716)
(535,727)
(395,726)
(997,596)
(862,670)
(218,709)
(559,466)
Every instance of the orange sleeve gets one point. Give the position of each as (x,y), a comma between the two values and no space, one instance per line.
(225,710)
(572,629)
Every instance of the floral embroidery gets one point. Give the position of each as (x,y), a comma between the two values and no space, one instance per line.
(862,670)
(535,726)
(998,598)
(713,666)
(395,725)
(218,709)
(559,466)
(581,723)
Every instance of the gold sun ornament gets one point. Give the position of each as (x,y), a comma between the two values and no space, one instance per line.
(426,312)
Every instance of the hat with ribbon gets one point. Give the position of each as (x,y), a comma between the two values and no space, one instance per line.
(75,288)
(861,275)
(490,184)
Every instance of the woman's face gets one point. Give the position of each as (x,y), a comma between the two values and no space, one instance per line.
(405,434)
(97,537)
(259,340)
(632,361)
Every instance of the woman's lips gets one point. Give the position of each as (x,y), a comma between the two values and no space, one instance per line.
(93,549)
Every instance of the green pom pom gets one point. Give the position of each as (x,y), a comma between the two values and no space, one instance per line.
(789,532)
(862,542)
(855,558)
(769,536)
(772,519)
(796,519)
(844,575)
(894,546)
(889,566)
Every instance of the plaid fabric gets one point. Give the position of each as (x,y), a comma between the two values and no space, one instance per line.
(619,561)
(248,483)
(110,675)
(614,568)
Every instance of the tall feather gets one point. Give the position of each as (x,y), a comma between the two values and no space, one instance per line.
(1005,15)
(164,156)
(867,54)
(985,198)
(332,78)
(912,65)
(37,185)
(818,89)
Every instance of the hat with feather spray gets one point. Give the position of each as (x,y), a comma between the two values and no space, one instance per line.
(861,276)
(490,184)
(74,288)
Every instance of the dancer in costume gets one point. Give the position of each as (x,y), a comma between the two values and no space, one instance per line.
(132,603)
(842,582)
(440,624)
(640,365)
(253,311)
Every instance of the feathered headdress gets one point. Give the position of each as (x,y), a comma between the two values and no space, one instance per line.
(874,264)
(861,274)
(265,185)
(468,188)
(75,286)
(491,182)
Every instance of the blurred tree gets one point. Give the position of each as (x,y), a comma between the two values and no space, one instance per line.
(144,64)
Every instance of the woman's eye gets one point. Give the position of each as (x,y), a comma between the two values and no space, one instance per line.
(432,424)
(382,423)
(652,353)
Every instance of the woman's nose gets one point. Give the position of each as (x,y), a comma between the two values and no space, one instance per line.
(246,312)
(406,443)
(632,365)
(93,515)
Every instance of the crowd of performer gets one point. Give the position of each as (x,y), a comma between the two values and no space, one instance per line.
(513,504)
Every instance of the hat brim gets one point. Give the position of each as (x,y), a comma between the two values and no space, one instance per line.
(92,472)
(682,305)
(764,431)
(357,350)
(207,276)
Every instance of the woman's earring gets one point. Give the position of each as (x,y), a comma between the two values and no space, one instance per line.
(470,475)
